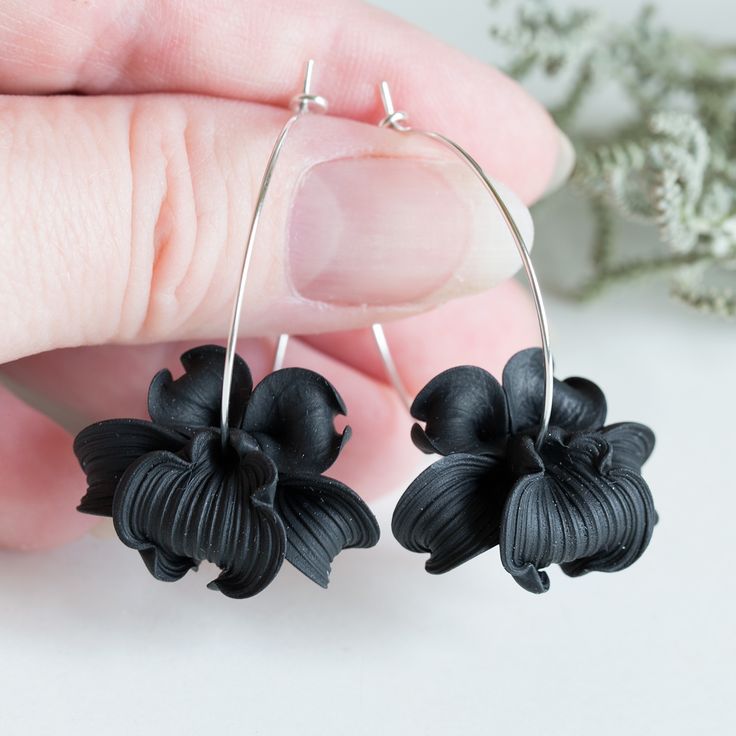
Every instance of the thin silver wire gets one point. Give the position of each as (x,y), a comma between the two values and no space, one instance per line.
(379,337)
(300,104)
(397,120)
(280,352)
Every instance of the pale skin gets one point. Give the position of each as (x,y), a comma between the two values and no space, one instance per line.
(125,197)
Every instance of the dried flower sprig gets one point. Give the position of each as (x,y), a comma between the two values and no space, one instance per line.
(672,164)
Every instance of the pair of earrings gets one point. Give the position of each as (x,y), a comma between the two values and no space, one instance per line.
(233,474)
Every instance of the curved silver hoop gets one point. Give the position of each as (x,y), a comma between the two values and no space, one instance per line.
(398,121)
(302,103)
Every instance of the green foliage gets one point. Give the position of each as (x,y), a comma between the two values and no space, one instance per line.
(671,163)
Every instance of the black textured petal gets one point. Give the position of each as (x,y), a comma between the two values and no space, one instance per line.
(577,404)
(211,506)
(452,510)
(292,415)
(465,411)
(322,517)
(193,400)
(631,443)
(637,518)
(106,449)
(583,512)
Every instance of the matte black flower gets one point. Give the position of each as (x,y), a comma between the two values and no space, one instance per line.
(178,498)
(578,501)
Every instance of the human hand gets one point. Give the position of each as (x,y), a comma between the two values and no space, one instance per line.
(126,196)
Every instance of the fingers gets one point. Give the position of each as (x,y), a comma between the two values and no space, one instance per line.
(40,482)
(484,330)
(124,220)
(85,385)
(88,384)
(216,48)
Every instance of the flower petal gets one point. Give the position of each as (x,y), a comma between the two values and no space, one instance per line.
(106,449)
(631,443)
(637,520)
(322,517)
(193,400)
(292,415)
(465,411)
(452,510)
(208,506)
(577,404)
(582,512)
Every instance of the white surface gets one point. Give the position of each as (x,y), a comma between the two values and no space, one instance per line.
(89,644)
(92,645)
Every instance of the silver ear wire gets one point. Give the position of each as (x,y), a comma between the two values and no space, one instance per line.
(397,120)
(302,103)
(379,337)
(306,101)
(394,119)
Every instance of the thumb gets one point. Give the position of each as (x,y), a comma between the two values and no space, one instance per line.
(124,219)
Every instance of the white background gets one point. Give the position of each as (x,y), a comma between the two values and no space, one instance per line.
(90,644)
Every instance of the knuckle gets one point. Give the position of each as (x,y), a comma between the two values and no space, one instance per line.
(179,216)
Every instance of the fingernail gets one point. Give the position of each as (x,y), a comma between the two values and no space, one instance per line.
(564,165)
(392,231)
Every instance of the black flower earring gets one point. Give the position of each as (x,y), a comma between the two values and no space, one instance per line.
(226,472)
(528,465)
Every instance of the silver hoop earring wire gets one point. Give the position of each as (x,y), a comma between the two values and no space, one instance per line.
(300,104)
(398,121)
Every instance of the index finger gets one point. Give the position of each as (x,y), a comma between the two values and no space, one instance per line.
(256,49)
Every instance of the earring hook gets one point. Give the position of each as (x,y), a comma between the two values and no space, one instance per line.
(397,120)
(300,104)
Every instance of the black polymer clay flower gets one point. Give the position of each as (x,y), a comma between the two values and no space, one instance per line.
(578,501)
(178,497)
